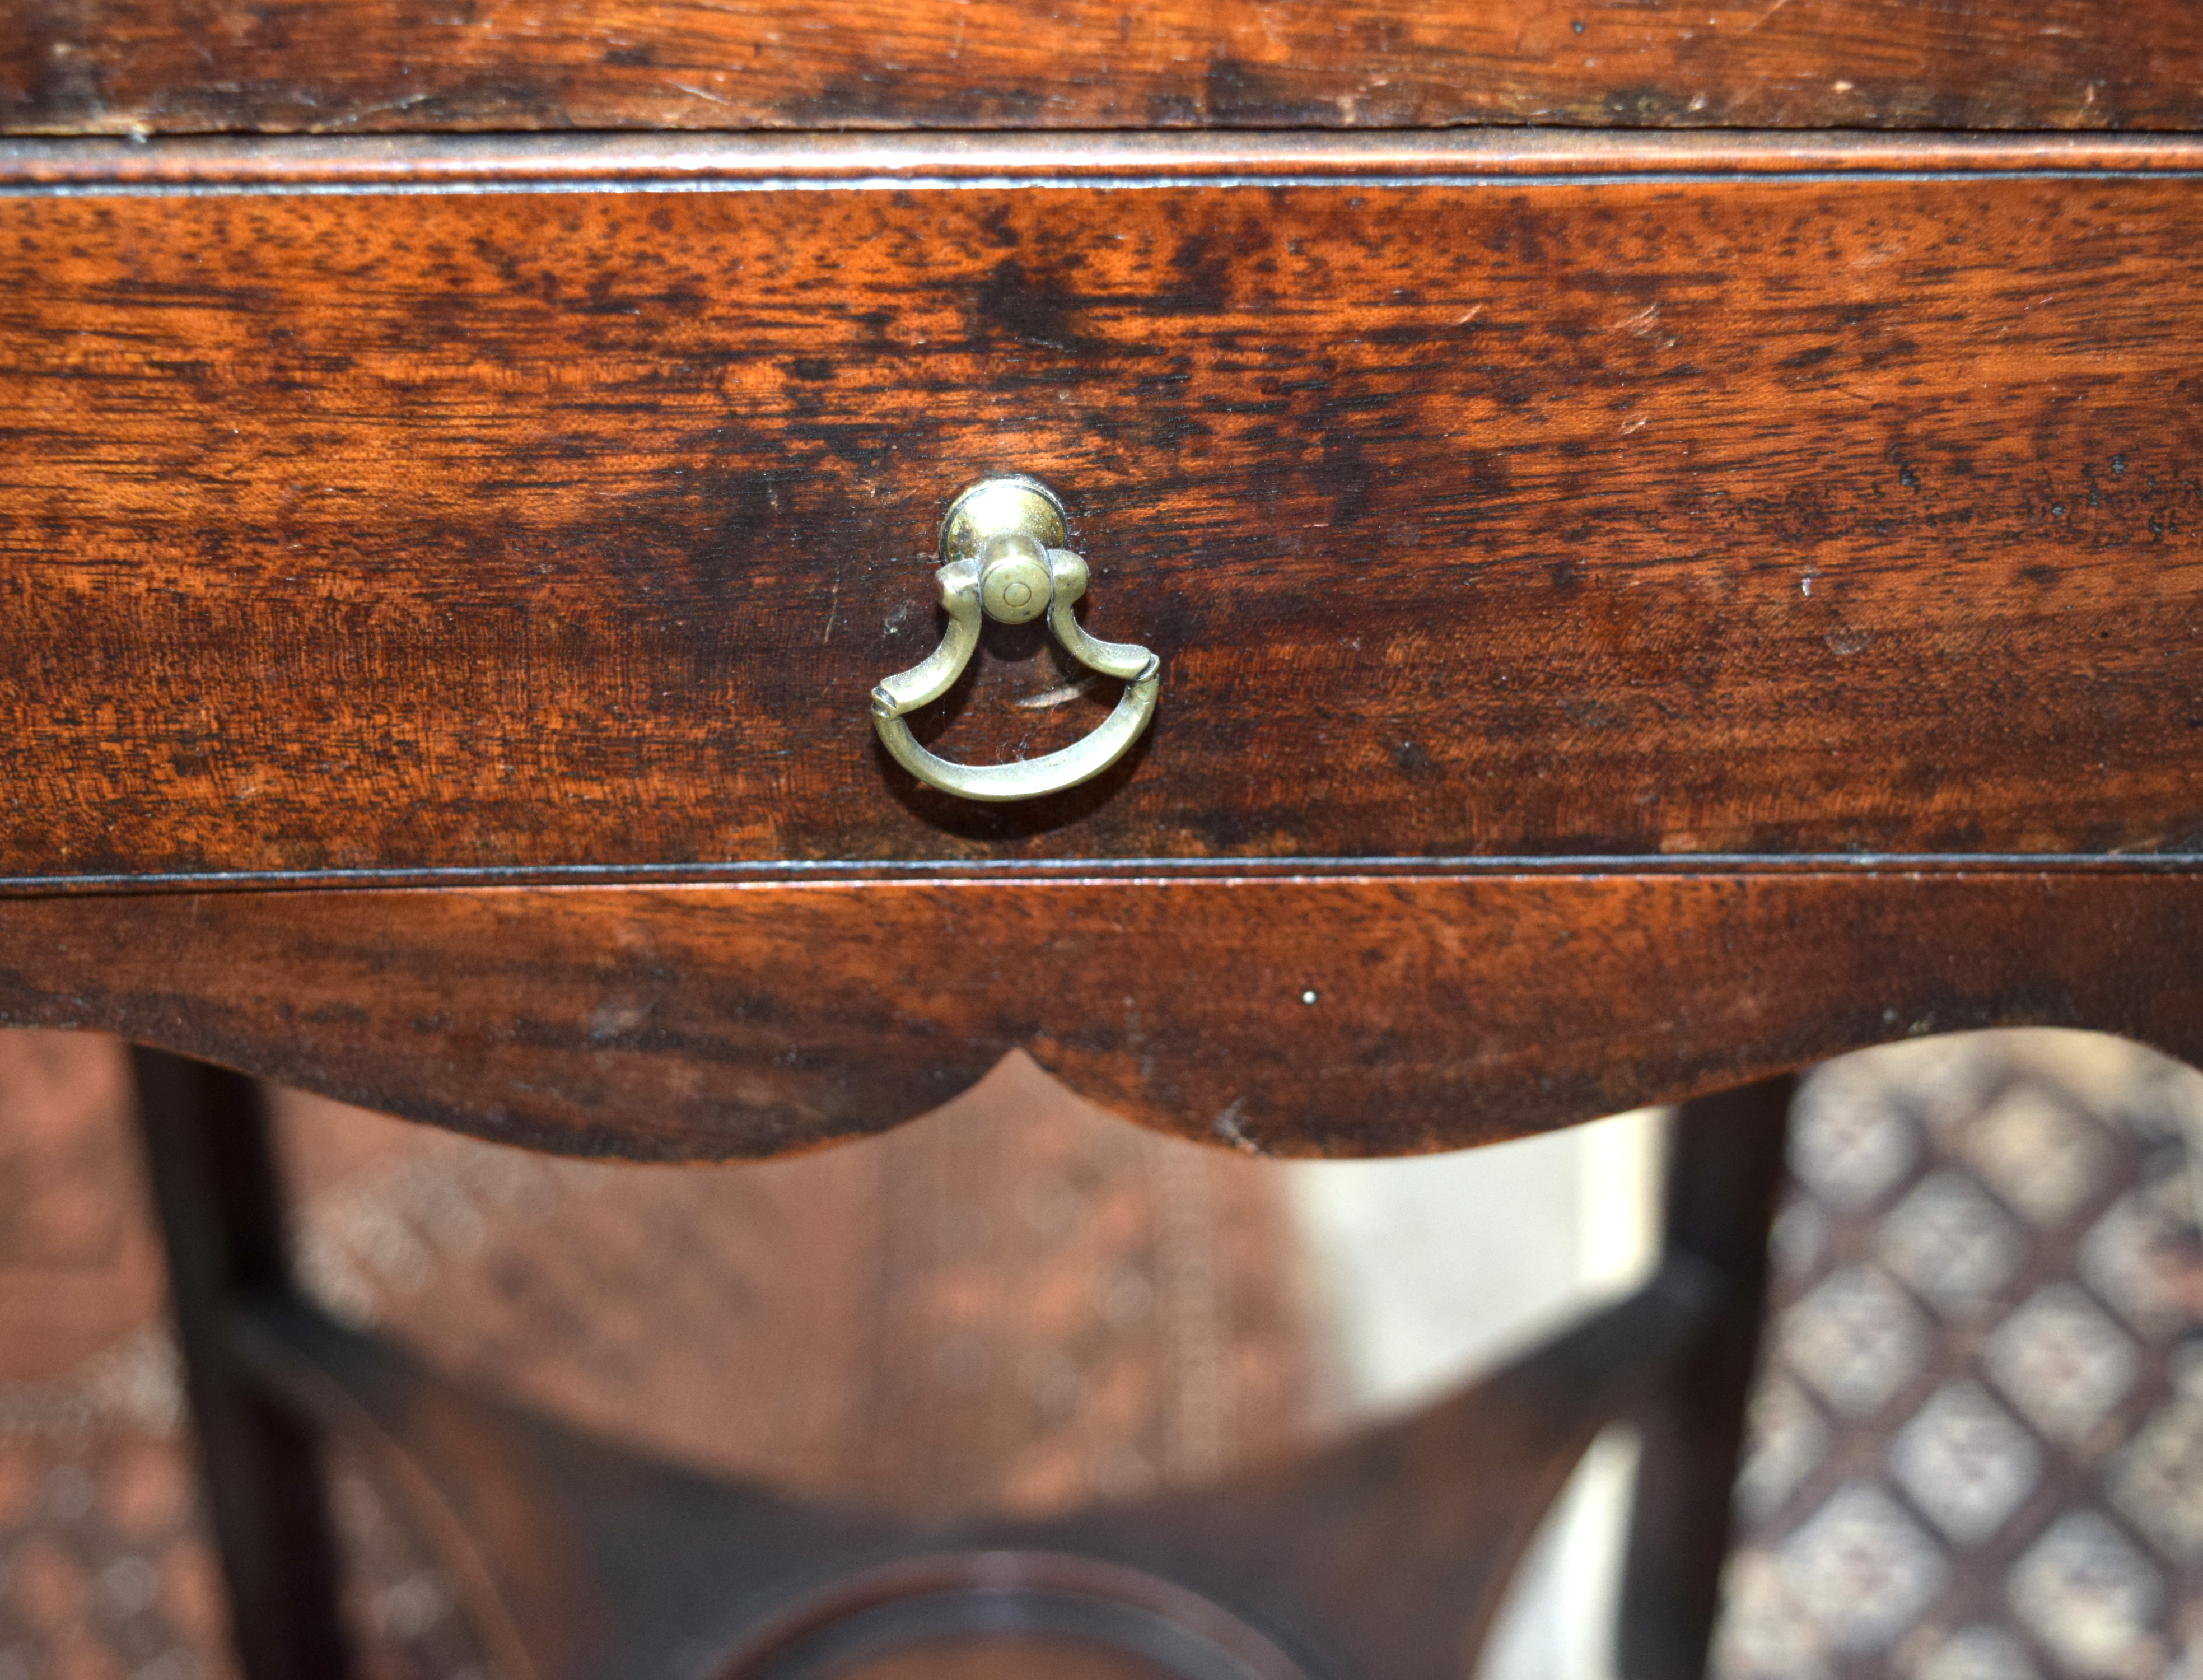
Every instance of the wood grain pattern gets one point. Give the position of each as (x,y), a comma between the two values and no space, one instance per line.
(130,66)
(1543,518)
(1299,1015)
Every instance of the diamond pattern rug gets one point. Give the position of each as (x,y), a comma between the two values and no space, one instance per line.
(1978,1436)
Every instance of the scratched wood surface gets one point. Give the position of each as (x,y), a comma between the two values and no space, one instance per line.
(345,66)
(462,531)
(1292,1014)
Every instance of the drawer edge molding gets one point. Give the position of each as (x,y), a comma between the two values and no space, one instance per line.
(546,163)
(1294,1016)
(801,872)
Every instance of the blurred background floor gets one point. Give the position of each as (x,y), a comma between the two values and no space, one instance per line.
(1978,1436)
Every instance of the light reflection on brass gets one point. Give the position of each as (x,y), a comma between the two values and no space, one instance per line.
(1001,545)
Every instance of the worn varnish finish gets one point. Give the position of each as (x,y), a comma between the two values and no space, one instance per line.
(342,66)
(1299,1015)
(1482,499)
(1535,518)
(1474,512)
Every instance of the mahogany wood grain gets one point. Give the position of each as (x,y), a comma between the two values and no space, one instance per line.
(464,531)
(1294,1014)
(356,66)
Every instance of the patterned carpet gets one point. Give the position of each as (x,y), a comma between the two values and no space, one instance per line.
(1978,1449)
(1979,1437)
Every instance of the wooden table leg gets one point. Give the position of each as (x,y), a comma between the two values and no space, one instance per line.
(1724,1172)
(215,1192)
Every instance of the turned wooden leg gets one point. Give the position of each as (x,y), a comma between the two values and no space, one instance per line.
(1724,1172)
(215,1192)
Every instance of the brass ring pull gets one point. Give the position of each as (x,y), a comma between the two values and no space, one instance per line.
(1002,545)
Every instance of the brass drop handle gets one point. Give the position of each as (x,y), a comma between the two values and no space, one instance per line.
(1001,547)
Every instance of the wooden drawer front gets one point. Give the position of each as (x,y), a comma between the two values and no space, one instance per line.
(359,66)
(461,529)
